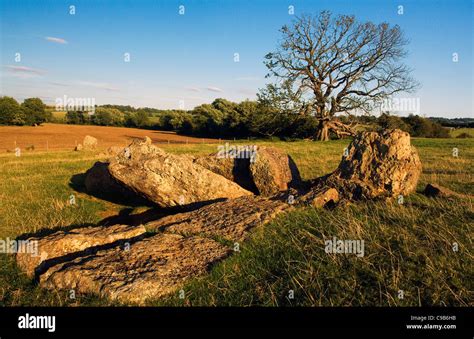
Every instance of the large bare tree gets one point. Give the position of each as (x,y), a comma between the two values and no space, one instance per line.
(329,65)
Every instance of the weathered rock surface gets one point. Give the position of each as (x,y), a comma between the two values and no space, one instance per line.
(263,170)
(377,165)
(273,171)
(232,219)
(121,262)
(167,179)
(114,150)
(219,165)
(235,169)
(62,243)
(326,197)
(150,268)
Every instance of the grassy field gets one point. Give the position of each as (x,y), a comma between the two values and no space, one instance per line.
(455,132)
(408,248)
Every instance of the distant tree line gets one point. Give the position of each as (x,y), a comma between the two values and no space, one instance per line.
(415,125)
(455,122)
(221,118)
(31,112)
(104,116)
(226,119)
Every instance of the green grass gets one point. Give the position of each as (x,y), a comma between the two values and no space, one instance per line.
(408,247)
(455,132)
(58,116)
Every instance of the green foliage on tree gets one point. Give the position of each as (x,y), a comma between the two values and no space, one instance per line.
(422,127)
(414,124)
(34,111)
(77,118)
(220,119)
(387,121)
(108,117)
(141,118)
(208,120)
(10,112)
(31,112)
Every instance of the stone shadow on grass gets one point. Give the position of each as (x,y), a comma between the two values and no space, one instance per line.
(120,196)
(125,216)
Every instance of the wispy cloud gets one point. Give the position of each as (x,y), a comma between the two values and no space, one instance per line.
(24,71)
(61,84)
(192,89)
(214,89)
(99,85)
(56,40)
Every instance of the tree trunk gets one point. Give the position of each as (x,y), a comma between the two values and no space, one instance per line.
(334,125)
(323,131)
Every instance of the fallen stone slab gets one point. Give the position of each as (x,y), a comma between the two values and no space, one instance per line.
(376,165)
(150,268)
(263,170)
(169,180)
(121,263)
(61,243)
(232,219)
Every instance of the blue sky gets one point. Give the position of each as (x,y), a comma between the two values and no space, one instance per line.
(189,59)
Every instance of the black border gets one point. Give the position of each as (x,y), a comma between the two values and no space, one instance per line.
(120,320)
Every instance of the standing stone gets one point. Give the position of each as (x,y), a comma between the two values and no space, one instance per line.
(89,143)
(378,164)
